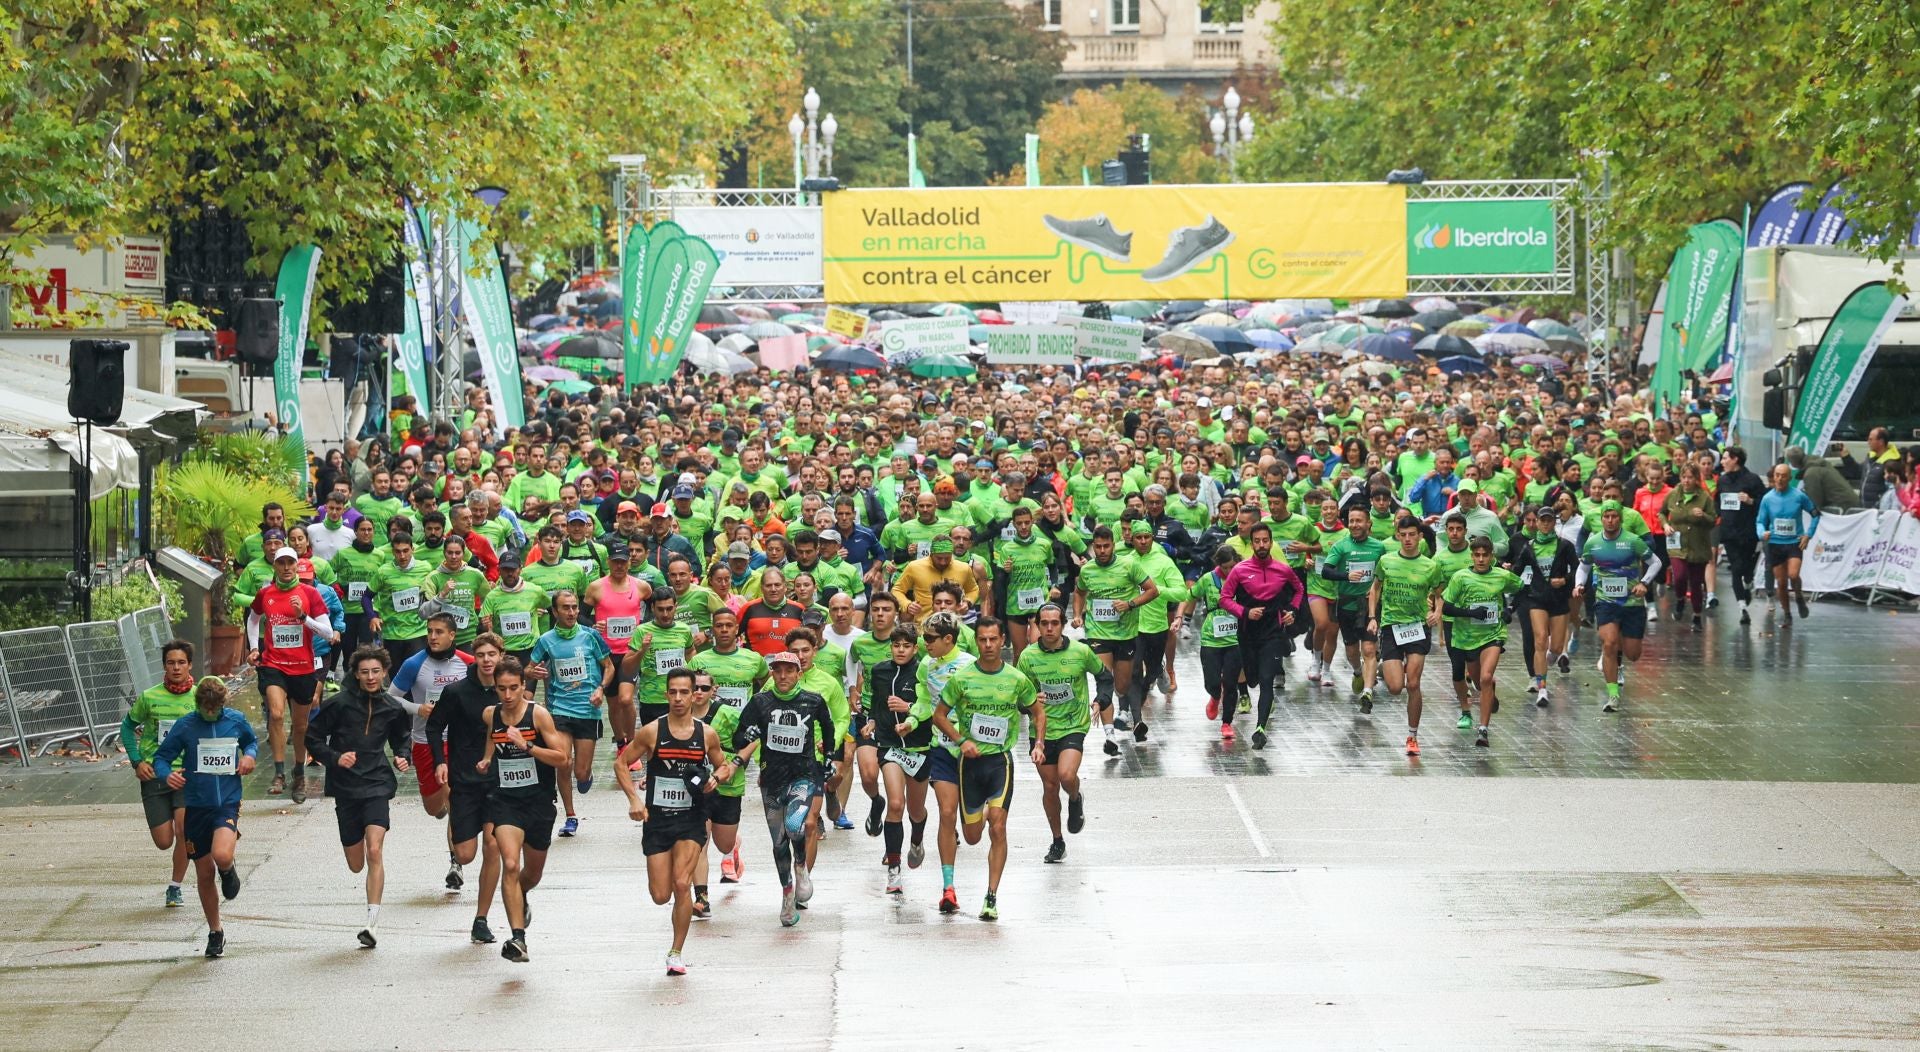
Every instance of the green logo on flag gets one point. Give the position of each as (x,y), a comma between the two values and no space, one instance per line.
(1506,237)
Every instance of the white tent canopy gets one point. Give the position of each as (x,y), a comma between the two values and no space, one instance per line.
(36,434)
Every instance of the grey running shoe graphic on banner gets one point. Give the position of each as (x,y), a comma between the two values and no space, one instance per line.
(1095,234)
(1187,248)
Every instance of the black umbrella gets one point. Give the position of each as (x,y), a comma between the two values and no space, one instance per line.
(1441,345)
(588,345)
(849,358)
(1225,340)
(1435,320)
(1381,345)
(714,314)
(1182,310)
(888,314)
(1386,309)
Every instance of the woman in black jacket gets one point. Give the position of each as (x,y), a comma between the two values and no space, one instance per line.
(348,735)
(1545,562)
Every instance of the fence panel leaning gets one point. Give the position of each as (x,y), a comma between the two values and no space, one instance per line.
(143,633)
(100,663)
(43,690)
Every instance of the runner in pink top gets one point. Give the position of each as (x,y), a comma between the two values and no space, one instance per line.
(618,602)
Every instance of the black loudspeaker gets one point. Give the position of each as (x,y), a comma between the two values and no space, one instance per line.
(383,308)
(256,330)
(97,378)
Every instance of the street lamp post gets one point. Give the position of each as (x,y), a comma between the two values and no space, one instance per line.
(1231,129)
(812,140)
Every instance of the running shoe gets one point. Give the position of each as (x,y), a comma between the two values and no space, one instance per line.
(802,885)
(1121,723)
(1111,747)
(1653,612)
(874,815)
(949,902)
(728,874)
(1057,853)
(1786,618)
(1413,745)
(739,864)
(1187,248)
(482,935)
(990,909)
(455,879)
(789,909)
(1540,701)
(1358,683)
(1226,732)
(1696,622)
(216,944)
(278,786)
(230,884)
(1366,700)
(1566,665)
(1164,685)
(1245,707)
(515,950)
(843,822)
(1480,742)
(1805,610)
(1465,722)
(1612,704)
(366,938)
(916,854)
(1213,708)
(1745,617)
(1076,814)
(1713,601)
(174,897)
(583,785)
(1259,737)
(298,786)
(894,887)
(1140,731)
(675,966)
(570,826)
(702,908)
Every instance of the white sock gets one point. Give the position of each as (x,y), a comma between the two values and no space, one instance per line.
(373,916)
(1413,732)
(173,885)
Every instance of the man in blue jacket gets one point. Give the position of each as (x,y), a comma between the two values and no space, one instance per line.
(215,747)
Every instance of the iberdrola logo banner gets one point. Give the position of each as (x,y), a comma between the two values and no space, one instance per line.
(675,270)
(1846,350)
(410,351)
(294,290)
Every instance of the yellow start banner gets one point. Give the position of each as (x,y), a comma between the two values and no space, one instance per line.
(1293,240)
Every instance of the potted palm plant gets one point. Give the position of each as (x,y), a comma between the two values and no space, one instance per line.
(210,503)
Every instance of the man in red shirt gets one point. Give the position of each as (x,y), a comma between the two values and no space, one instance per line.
(479,549)
(281,622)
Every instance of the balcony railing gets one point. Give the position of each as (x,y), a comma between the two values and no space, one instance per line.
(1109,51)
(1212,50)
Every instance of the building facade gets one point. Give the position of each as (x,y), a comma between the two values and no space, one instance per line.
(1168,42)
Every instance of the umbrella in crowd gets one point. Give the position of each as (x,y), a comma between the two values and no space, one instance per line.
(751,312)
(737,342)
(766,330)
(1319,345)
(951,310)
(1225,339)
(547,374)
(1269,339)
(1382,345)
(571,387)
(1441,345)
(1344,333)
(1385,309)
(587,345)
(1509,343)
(1509,328)
(1460,364)
(850,358)
(1435,320)
(1215,318)
(1186,345)
(938,365)
(1541,361)
(1433,303)
(1467,327)
(713,314)
(543,322)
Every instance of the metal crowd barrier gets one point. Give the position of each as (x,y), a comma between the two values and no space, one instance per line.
(60,685)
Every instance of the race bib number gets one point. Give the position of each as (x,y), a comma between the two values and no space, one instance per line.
(734,696)
(1105,610)
(1614,588)
(570,670)
(787,738)
(987,730)
(356,590)
(1222,623)
(1729,502)
(1486,613)
(620,629)
(434,690)
(1320,565)
(910,762)
(218,756)
(462,617)
(1405,634)
(1360,573)
(517,772)
(665,661)
(1030,598)
(1786,527)
(520,624)
(165,726)
(1526,576)
(922,549)
(406,600)
(289,637)
(672,794)
(1056,693)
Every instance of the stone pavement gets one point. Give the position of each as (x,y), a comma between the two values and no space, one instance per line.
(1728,863)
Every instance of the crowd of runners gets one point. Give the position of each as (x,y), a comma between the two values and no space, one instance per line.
(830,590)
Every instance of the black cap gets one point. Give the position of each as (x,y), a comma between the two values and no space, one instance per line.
(616,549)
(510,560)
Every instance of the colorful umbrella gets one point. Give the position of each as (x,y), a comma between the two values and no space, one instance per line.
(937,365)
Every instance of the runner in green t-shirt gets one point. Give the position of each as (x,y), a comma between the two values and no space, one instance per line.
(142,730)
(1023,564)
(459,589)
(398,590)
(1059,668)
(1453,555)
(1106,599)
(980,708)
(516,608)
(1476,598)
(940,636)
(1403,610)
(1219,634)
(659,646)
(549,571)
(1328,530)
(1349,565)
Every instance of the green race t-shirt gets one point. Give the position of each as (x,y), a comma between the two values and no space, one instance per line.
(1405,585)
(519,614)
(1486,593)
(1060,680)
(665,649)
(1105,585)
(986,706)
